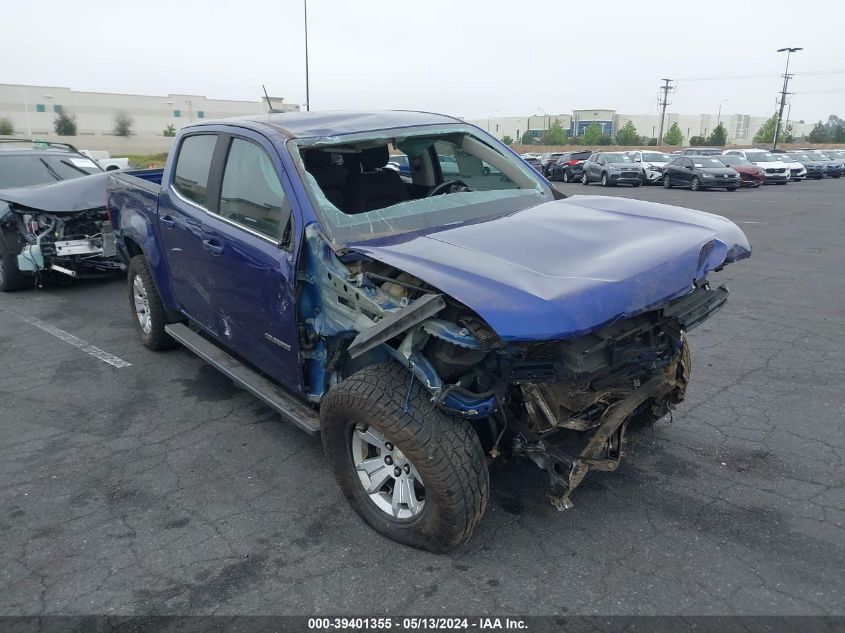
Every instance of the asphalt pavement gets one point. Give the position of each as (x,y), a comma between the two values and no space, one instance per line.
(154,486)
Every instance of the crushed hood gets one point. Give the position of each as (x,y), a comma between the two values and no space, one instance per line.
(563,268)
(65,196)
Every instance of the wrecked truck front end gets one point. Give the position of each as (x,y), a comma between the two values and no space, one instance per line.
(554,326)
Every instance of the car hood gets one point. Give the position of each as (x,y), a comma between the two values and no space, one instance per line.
(563,268)
(778,164)
(748,169)
(65,196)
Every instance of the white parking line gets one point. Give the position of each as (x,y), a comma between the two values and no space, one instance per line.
(85,346)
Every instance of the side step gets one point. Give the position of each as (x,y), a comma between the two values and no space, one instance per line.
(274,396)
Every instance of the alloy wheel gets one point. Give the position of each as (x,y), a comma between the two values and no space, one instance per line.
(389,478)
(142,304)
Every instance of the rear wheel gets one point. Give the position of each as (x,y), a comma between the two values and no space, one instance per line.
(417,477)
(147,309)
(11,278)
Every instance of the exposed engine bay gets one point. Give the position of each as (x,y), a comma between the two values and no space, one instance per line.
(565,404)
(61,229)
(74,245)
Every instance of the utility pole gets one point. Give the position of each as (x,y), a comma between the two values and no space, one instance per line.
(307,87)
(665,88)
(789,50)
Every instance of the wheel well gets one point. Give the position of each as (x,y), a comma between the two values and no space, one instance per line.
(132,247)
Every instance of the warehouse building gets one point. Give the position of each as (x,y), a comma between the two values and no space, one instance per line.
(32,109)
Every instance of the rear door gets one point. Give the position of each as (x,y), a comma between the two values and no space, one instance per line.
(251,272)
(182,209)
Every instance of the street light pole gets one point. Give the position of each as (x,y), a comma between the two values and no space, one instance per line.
(789,50)
(307,86)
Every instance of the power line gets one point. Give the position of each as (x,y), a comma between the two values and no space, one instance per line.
(766,76)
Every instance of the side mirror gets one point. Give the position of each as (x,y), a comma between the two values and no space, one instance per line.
(690,167)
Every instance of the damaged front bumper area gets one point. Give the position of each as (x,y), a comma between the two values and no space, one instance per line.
(583,395)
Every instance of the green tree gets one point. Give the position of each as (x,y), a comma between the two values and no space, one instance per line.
(652,142)
(591,134)
(766,133)
(528,138)
(718,137)
(674,136)
(604,139)
(7,128)
(818,134)
(838,135)
(555,135)
(574,140)
(697,141)
(171,131)
(123,124)
(628,135)
(65,124)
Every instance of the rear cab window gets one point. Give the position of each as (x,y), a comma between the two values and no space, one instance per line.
(193,164)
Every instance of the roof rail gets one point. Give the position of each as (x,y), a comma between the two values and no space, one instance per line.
(40,142)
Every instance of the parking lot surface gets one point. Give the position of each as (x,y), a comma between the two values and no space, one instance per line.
(154,486)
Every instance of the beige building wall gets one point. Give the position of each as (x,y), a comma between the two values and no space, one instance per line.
(32,109)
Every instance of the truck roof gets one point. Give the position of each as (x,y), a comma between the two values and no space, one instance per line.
(311,124)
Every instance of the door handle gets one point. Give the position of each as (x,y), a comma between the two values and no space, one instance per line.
(167,221)
(213,246)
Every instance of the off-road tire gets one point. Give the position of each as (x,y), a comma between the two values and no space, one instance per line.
(445,450)
(156,339)
(11,278)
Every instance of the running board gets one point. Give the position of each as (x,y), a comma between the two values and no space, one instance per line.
(274,396)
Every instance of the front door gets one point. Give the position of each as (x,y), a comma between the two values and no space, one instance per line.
(251,271)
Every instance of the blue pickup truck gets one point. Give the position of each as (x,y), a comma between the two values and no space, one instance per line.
(423,326)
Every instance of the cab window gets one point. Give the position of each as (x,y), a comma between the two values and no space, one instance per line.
(192,167)
(251,194)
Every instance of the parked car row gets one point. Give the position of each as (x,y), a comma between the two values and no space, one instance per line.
(696,167)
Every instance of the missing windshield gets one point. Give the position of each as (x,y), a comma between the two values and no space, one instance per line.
(385,183)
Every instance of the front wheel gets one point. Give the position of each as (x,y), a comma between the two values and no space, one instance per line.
(147,309)
(566,177)
(604,181)
(584,179)
(731,188)
(667,184)
(413,473)
(695,184)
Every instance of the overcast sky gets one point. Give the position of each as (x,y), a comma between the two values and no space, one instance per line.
(466,58)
